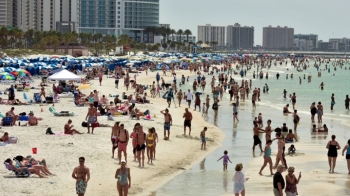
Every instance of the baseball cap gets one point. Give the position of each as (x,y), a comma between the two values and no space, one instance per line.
(123,161)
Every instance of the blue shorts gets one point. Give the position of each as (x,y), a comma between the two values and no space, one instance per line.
(203,139)
(167,126)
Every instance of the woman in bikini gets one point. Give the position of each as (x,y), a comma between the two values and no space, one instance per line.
(124,179)
(280,153)
(179,96)
(268,131)
(150,144)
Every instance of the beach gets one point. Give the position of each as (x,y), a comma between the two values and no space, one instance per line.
(62,152)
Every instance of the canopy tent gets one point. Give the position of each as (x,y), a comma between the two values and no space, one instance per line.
(64,75)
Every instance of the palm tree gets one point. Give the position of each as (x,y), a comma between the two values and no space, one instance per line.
(180,32)
(187,33)
(214,43)
(3,37)
(172,32)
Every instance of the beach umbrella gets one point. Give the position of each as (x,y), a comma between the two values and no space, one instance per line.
(20,72)
(84,86)
(6,76)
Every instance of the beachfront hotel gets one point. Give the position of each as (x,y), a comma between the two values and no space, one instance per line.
(239,37)
(116,17)
(278,37)
(39,15)
(210,34)
(307,37)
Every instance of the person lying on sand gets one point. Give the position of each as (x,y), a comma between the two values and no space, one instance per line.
(68,128)
(5,137)
(31,170)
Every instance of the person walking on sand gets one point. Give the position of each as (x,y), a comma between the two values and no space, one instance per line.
(291,182)
(179,96)
(256,138)
(332,154)
(226,159)
(123,140)
(267,157)
(203,139)
(215,108)
(114,135)
(150,140)
(268,131)
(280,152)
(189,97)
(141,146)
(134,142)
(91,117)
(124,179)
(100,76)
(82,176)
(96,98)
(168,121)
(207,103)
(239,180)
(188,119)
(347,149)
(278,182)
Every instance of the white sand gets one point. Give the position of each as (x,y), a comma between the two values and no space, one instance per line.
(172,156)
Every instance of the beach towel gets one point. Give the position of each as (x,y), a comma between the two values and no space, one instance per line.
(62,134)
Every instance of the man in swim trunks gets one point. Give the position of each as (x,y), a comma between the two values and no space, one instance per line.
(167,122)
(188,118)
(123,139)
(91,118)
(141,140)
(204,142)
(114,134)
(256,138)
(96,98)
(319,112)
(82,175)
(291,137)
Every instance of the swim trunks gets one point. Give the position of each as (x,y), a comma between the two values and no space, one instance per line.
(95,104)
(140,147)
(122,146)
(80,187)
(167,126)
(91,119)
(319,112)
(203,139)
(187,123)
(256,140)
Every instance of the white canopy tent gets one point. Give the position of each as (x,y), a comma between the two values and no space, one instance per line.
(65,75)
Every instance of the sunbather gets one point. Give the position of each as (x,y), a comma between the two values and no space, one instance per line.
(68,128)
(14,116)
(19,169)
(33,120)
(5,137)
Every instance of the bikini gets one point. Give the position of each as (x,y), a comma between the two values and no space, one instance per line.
(150,138)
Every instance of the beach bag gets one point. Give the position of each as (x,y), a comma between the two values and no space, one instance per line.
(13,140)
(84,124)
(49,131)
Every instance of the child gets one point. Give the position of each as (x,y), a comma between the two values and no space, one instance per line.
(291,149)
(226,159)
(202,135)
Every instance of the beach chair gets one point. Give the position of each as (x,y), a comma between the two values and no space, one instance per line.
(27,99)
(20,174)
(37,97)
(55,113)
(7,121)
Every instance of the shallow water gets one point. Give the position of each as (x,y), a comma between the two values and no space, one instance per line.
(207,177)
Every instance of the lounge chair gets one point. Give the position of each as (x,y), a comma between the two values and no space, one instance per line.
(26,98)
(21,174)
(54,112)
(37,98)
(7,121)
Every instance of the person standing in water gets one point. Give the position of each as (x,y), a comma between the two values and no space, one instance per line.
(203,139)
(239,180)
(322,86)
(225,160)
(332,101)
(267,157)
(82,175)
(332,154)
(256,138)
(293,100)
(124,179)
(319,112)
(347,101)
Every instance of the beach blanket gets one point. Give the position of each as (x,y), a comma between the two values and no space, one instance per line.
(4,143)
(61,134)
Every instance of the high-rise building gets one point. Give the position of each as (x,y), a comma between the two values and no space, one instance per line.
(41,15)
(210,34)
(116,17)
(312,37)
(303,44)
(239,37)
(278,37)
(6,19)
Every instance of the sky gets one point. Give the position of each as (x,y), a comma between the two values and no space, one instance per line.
(326,18)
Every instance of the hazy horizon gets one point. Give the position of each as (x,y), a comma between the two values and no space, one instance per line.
(321,17)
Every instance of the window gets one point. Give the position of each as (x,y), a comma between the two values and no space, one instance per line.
(118,26)
(118,12)
(118,21)
(118,8)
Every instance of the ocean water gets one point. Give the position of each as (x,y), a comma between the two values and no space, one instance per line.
(207,177)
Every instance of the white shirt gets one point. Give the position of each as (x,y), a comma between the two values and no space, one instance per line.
(189,96)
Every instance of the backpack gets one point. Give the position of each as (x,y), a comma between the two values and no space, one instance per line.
(49,131)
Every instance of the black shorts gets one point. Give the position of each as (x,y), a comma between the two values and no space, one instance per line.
(116,81)
(140,147)
(11,98)
(187,123)
(256,140)
(347,156)
(95,104)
